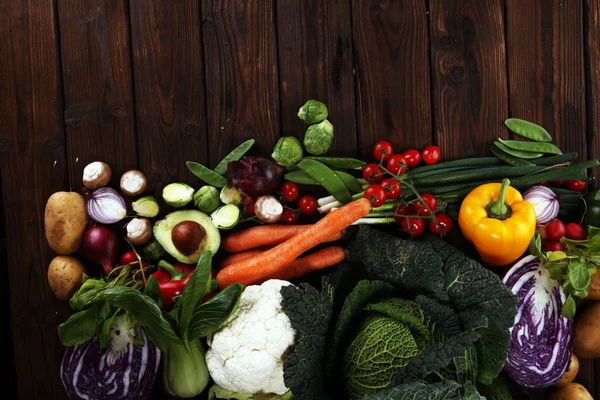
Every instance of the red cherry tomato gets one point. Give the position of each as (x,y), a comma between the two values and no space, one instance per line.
(431,202)
(575,231)
(443,226)
(376,195)
(412,157)
(576,185)
(308,204)
(392,188)
(249,206)
(552,245)
(289,217)
(290,191)
(401,211)
(128,257)
(431,154)
(396,164)
(413,226)
(555,230)
(382,150)
(372,173)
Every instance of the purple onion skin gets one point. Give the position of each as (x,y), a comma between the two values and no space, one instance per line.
(556,335)
(96,212)
(254,176)
(90,372)
(101,246)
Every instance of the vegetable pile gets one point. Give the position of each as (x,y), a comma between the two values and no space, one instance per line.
(307,276)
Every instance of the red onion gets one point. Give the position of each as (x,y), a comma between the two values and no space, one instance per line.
(544,201)
(254,176)
(105,205)
(101,245)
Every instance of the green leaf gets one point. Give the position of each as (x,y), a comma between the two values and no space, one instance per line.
(234,155)
(579,275)
(104,334)
(198,285)
(80,327)
(535,247)
(217,392)
(152,290)
(89,292)
(209,316)
(558,270)
(569,308)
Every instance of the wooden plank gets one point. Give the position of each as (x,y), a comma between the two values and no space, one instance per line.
(315,62)
(241,75)
(592,68)
(469,75)
(168,72)
(32,165)
(98,90)
(392,74)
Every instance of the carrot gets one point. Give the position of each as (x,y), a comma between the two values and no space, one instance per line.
(303,265)
(269,262)
(231,258)
(264,235)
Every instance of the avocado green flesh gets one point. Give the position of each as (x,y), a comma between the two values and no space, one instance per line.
(163,228)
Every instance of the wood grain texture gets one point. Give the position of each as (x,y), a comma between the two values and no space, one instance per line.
(31,142)
(316,62)
(242,95)
(392,74)
(469,75)
(592,68)
(97,84)
(168,71)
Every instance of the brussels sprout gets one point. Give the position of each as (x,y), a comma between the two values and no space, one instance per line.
(153,250)
(318,138)
(207,199)
(231,195)
(146,206)
(226,217)
(313,111)
(178,194)
(288,151)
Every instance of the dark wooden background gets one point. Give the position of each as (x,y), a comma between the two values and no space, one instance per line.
(150,84)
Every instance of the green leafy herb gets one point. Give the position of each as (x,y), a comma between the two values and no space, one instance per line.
(197,286)
(209,316)
(80,327)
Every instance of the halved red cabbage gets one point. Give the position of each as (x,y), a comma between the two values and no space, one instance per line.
(123,370)
(541,338)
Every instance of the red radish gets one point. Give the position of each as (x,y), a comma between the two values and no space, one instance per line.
(552,245)
(555,230)
(101,245)
(575,231)
(130,258)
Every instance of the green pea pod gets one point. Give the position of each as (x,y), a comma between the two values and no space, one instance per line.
(535,147)
(350,181)
(512,160)
(528,155)
(300,177)
(206,174)
(338,162)
(528,130)
(234,155)
(325,177)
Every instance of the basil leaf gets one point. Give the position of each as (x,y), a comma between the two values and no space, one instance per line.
(198,285)
(234,155)
(209,316)
(152,290)
(80,327)
(568,309)
(579,276)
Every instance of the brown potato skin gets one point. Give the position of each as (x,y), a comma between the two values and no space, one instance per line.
(570,373)
(587,332)
(65,276)
(573,391)
(594,288)
(65,220)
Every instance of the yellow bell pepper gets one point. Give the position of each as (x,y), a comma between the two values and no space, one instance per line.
(499,223)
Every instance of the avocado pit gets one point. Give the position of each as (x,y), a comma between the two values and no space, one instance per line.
(187,236)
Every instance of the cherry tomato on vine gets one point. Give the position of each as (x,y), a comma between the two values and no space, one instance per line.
(576,185)
(396,164)
(443,226)
(412,157)
(431,202)
(401,210)
(431,154)
(289,217)
(307,204)
(249,206)
(372,173)
(376,195)
(413,226)
(290,191)
(382,150)
(392,188)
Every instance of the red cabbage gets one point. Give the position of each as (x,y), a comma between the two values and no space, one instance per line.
(123,370)
(541,338)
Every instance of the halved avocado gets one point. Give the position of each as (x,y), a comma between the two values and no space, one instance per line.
(186,234)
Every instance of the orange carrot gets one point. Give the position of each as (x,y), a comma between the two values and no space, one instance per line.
(264,235)
(231,258)
(301,266)
(269,262)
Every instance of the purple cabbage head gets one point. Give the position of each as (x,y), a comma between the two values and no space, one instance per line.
(123,370)
(541,338)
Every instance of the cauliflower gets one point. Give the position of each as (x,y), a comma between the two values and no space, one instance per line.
(247,353)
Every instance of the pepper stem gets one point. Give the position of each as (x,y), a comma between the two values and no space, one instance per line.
(499,209)
(175,275)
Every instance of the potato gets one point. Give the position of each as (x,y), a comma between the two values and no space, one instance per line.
(65,276)
(573,391)
(594,288)
(570,373)
(587,332)
(65,221)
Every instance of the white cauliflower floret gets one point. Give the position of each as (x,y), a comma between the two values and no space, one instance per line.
(247,353)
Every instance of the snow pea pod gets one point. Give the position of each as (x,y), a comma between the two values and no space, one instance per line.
(300,177)
(517,153)
(327,178)
(234,155)
(206,174)
(350,181)
(528,130)
(509,159)
(538,147)
(338,162)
